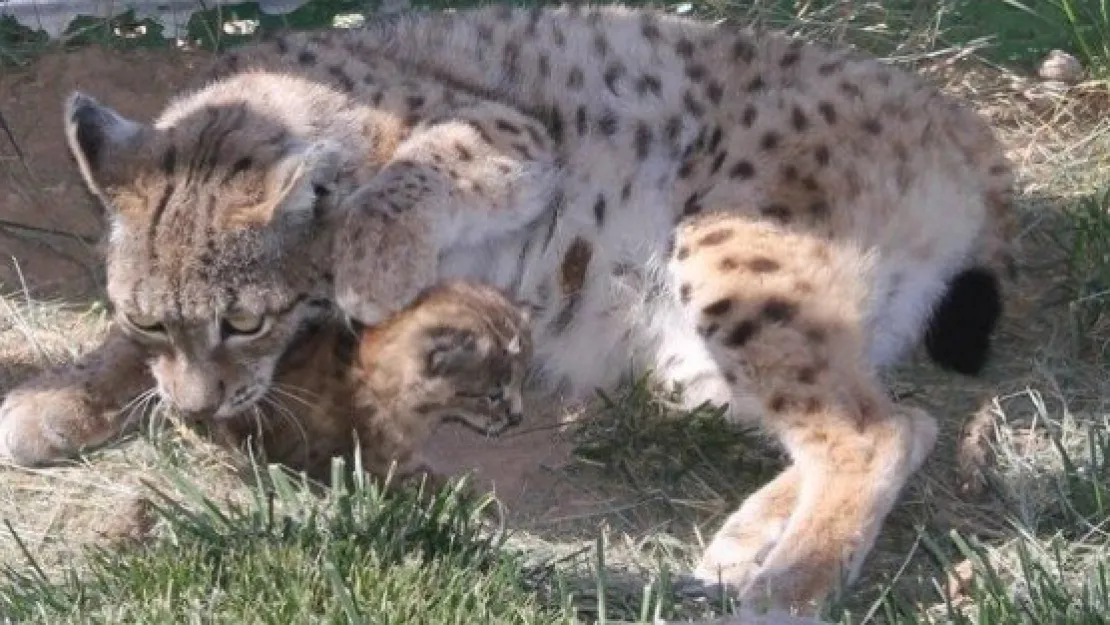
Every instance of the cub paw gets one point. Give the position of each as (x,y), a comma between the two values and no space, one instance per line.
(42,426)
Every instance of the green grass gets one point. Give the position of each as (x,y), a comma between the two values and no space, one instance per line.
(359,554)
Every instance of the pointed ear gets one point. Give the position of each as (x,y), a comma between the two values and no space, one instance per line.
(450,350)
(304,182)
(103,141)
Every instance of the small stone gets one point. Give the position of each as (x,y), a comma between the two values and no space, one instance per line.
(1062,67)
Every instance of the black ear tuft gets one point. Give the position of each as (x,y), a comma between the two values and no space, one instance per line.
(961,325)
(449,350)
(88,122)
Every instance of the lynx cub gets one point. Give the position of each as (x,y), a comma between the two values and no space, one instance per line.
(763,220)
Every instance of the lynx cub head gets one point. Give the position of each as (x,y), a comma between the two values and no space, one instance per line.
(211,259)
(460,352)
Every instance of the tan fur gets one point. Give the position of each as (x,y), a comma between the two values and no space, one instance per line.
(812,207)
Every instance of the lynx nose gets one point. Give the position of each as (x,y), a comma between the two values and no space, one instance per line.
(195,397)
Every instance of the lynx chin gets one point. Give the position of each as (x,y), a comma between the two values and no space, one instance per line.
(763,220)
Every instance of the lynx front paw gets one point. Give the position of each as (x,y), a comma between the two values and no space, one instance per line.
(41,426)
(735,555)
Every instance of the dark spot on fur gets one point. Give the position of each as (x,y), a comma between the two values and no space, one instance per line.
(822,155)
(599,210)
(575,78)
(576,262)
(692,105)
(756,84)
(612,74)
(714,91)
(580,120)
(850,89)
(798,119)
(695,72)
(762,264)
(741,333)
(642,140)
(807,375)
(692,206)
(769,141)
(506,126)
(778,310)
(684,48)
(728,263)
(747,118)
(608,123)
(872,126)
(743,50)
(742,169)
(717,162)
(827,111)
(717,308)
(649,83)
(684,293)
(779,212)
(306,57)
(716,237)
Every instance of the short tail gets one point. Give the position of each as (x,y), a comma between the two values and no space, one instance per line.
(960,329)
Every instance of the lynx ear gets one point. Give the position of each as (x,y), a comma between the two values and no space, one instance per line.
(304,182)
(528,310)
(102,141)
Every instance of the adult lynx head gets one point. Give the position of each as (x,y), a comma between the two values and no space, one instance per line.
(215,257)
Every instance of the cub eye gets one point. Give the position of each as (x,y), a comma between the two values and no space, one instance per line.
(243,324)
(496,396)
(145,323)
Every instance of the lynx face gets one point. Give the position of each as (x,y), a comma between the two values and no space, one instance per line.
(215,258)
(459,353)
(474,380)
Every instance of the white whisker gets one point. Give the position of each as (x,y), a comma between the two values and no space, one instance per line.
(283,412)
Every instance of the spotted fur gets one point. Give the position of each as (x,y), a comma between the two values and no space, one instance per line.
(763,220)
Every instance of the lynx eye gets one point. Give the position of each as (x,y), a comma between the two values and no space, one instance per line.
(243,324)
(145,323)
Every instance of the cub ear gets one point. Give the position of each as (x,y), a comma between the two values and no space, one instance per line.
(102,141)
(528,310)
(449,350)
(304,182)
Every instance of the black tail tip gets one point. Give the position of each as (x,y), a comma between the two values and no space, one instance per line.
(959,334)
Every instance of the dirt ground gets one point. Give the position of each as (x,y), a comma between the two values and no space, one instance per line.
(49,223)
